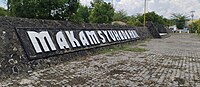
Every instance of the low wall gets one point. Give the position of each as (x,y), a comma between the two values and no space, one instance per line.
(161,28)
(28,44)
(153,30)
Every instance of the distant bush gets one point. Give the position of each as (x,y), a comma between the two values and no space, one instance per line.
(3,12)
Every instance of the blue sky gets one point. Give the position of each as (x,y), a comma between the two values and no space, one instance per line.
(161,7)
(2,3)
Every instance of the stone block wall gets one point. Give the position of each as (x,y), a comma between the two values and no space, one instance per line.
(13,59)
(153,30)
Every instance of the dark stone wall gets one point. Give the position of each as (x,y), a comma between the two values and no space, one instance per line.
(143,32)
(153,30)
(13,60)
(161,28)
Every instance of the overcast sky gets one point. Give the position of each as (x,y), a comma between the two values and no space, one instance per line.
(161,7)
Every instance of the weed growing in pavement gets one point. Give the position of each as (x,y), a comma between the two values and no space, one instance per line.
(135,49)
(197,36)
(123,47)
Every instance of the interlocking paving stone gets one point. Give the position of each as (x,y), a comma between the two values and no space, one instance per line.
(170,62)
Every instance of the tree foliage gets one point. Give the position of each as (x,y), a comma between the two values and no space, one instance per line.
(101,12)
(129,20)
(3,12)
(133,21)
(82,15)
(180,20)
(169,22)
(195,26)
(43,9)
(153,17)
(97,1)
(120,16)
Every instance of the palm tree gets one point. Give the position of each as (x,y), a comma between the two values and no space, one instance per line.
(180,20)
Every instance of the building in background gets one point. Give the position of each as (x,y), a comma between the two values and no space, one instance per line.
(173,28)
(176,30)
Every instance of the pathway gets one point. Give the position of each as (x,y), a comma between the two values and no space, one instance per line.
(170,62)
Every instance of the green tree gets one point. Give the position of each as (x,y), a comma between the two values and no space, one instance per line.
(120,16)
(169,22)
(198,28)
(180,20)
(3,12)
(195,26)
(153,17)
(101,12)
(133,21)
(43,9)
(82,15)
(97,1)
(129,20)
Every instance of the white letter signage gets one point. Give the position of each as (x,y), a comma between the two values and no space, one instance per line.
(45,42)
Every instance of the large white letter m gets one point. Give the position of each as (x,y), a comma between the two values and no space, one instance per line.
(43,38)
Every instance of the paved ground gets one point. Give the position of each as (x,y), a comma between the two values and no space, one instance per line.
(170,62)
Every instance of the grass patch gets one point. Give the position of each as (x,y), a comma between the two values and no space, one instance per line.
(197,36)
(135,49)
(143,45)
(123,47)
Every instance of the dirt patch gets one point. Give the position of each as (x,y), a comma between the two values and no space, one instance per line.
(149,82)
(143,45)
(77,80)
(169,42)
(179,80)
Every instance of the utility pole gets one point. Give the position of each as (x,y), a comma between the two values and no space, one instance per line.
(85,2)
(145,2)
(192,18)
(112,4)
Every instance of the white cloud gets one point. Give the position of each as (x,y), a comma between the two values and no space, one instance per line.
(86,2)
(130,6)
(162,7)
(3,4)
